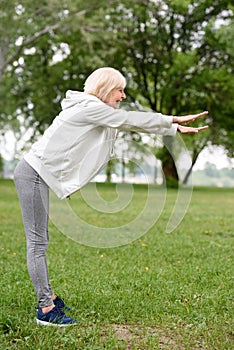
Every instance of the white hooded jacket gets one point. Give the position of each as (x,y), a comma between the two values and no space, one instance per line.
(79,142)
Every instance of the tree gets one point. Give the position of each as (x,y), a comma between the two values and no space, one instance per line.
(174,56)
(31,34)
(22,24)
(161,46)
(1,166)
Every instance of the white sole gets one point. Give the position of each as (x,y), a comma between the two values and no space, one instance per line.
(45,323)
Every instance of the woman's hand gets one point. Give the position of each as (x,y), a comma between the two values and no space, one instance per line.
(190,130)
(188,118)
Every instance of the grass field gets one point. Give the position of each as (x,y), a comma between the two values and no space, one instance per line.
(162,291)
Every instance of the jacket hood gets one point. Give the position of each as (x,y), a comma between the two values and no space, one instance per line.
(77,97)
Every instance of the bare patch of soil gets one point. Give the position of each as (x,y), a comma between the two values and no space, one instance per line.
(135,335)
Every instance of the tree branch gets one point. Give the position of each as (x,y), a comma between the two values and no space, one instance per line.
(45,31)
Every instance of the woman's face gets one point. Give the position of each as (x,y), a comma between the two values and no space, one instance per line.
(114,98)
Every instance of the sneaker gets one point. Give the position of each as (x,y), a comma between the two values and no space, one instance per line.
(60,304)
(55,317)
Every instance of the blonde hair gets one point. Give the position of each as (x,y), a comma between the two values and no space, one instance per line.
(102,81)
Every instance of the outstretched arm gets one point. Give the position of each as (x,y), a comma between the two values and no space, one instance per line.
(187,119)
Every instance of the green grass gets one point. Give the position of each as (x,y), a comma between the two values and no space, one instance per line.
(162,291)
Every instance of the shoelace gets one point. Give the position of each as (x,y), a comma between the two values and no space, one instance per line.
(58,311)
(60,303)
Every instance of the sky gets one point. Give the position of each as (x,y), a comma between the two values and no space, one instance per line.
(215,155)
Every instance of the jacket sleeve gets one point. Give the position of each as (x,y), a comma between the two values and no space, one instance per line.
(146,122)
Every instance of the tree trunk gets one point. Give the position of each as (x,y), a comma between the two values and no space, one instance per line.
(187,175)
(169,168)
(108,171)
(123,168)
(168,164)
(194,159)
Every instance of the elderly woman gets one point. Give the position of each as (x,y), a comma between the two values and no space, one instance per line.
(71,152)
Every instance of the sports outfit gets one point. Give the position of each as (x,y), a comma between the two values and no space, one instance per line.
(74,148)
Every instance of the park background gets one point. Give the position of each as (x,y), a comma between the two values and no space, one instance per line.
(160,292)
(177,57)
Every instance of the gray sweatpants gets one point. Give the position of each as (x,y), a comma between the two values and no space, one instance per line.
(33,194)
